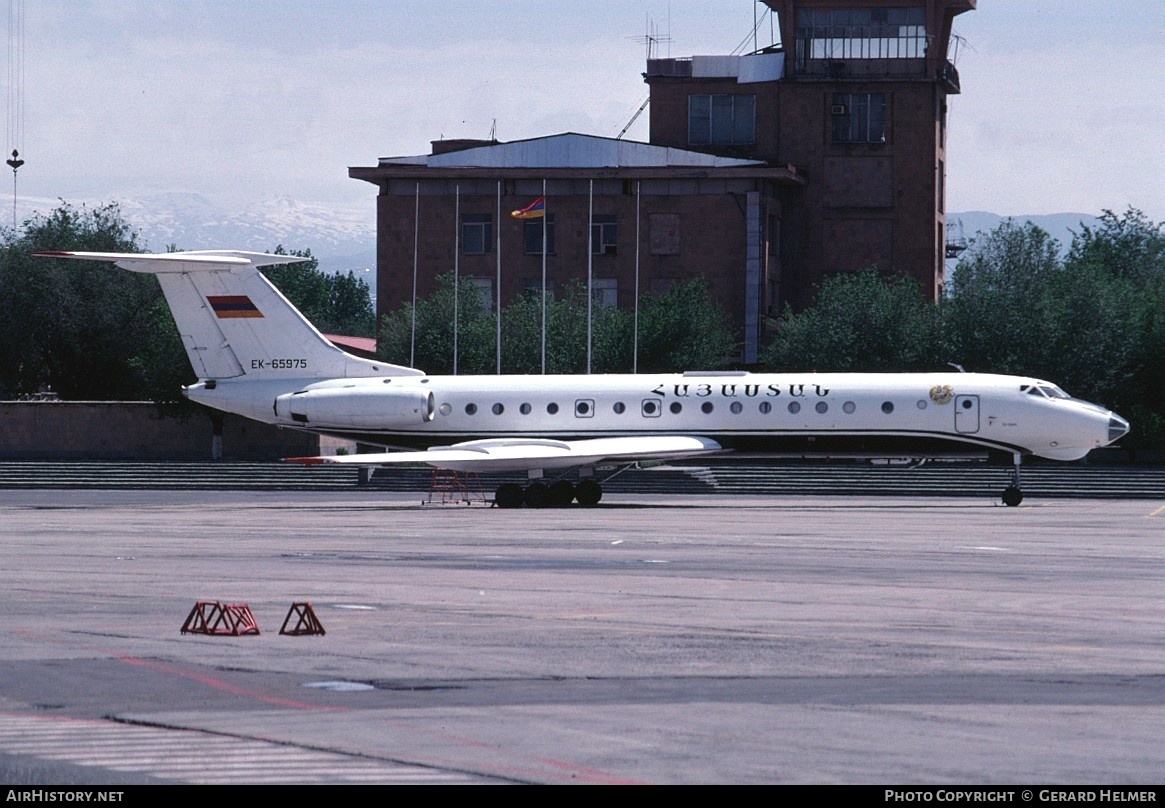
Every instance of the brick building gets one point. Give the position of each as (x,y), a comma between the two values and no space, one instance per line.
(763,173)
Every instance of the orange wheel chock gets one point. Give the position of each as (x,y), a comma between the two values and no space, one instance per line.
(213,618)
(306,621)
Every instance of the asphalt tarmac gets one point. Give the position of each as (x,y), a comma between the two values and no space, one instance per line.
(649,640)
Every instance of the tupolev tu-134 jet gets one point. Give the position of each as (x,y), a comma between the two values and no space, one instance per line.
(255,355)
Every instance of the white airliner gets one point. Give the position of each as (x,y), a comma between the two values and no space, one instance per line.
(255,355)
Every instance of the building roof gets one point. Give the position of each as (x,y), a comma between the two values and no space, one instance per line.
(569,155)
(570,150)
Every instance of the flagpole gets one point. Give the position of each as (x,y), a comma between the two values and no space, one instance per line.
(635,340)
(456,266)
(590,266)
(416,237)
(498,285)
(544,217)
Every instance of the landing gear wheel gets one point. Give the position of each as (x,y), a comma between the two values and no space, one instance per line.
(561,494)
(509,495)
(537,495)
(588,492)
(1012,495)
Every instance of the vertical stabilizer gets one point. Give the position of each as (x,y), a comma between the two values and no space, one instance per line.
(235,323)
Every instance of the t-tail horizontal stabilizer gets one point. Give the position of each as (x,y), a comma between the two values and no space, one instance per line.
(234,322)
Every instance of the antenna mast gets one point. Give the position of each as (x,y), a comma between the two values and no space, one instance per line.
(15,91)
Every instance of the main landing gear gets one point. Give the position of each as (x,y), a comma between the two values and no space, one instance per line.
(1012,495)
(559,494)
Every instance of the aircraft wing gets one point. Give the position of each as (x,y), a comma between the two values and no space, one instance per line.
(524,454)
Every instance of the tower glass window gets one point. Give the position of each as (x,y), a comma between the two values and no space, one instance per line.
(861,33)
(721,120)
(859,117)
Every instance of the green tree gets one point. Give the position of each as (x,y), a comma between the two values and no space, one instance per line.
(684,329)
(566,334)
(84,330)
(1113,335)
(1129,246)
(999,316)
(339,303)
(476,333)
(1092,322)
(860,322)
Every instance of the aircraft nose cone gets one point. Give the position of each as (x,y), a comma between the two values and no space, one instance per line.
(1117,427)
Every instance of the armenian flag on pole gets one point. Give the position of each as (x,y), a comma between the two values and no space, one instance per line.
(535,210)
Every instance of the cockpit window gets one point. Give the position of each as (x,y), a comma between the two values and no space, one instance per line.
(1045,390)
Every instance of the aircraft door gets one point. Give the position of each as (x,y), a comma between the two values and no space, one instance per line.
(966,414)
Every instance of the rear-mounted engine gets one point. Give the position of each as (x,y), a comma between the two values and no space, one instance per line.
(355,407)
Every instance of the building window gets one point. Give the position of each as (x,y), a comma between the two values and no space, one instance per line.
(721,120)
(861,33)
(485,288)
(604,234)
(533,286)
(942,183)
(605,291)
(859,117)
(664,233)
(532,235)
(476,234)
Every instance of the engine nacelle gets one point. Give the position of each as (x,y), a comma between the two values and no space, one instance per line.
(356,407)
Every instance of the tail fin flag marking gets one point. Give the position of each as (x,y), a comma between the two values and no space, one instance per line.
(228,306)
(233,320)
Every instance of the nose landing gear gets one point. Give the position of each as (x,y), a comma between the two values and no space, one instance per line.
(1013,495)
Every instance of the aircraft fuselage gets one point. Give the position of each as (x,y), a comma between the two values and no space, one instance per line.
(879,415)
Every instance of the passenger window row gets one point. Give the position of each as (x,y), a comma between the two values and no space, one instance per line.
(653,407)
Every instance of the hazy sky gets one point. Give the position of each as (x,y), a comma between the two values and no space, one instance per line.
(237,99)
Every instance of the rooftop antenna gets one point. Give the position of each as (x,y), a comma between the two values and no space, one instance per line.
(652,38)
(15,91)
(493,132)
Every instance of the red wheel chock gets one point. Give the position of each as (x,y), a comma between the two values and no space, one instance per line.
(220,619)
(306,621)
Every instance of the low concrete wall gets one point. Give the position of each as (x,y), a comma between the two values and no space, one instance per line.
(135,430)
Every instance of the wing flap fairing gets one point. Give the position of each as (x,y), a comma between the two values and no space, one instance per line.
(522,454)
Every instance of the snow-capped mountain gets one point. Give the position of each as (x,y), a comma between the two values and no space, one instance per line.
(342,239)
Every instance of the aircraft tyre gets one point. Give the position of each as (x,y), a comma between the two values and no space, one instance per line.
(509,495)
(1012,496)
(537,495)
(561,494)
(588,492)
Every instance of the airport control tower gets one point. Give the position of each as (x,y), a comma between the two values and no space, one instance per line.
(854,98)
